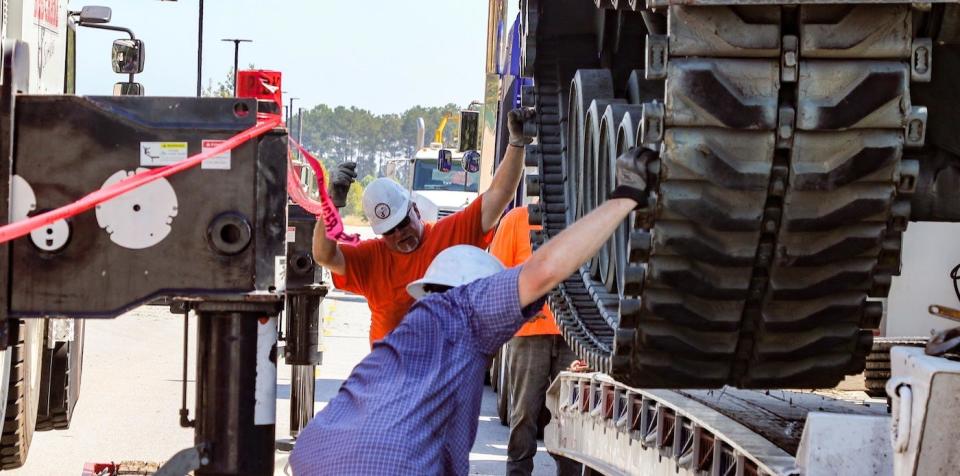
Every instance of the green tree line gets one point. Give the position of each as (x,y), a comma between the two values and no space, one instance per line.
(374,141)
(377,142)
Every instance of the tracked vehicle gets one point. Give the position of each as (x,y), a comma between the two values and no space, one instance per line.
(797,140)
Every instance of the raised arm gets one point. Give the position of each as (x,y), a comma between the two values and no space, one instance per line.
(562,255)
(326,252)
(503,188)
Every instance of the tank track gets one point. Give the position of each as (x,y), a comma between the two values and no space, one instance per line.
(781,192)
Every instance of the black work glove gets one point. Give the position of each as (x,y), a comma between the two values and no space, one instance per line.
(343,178)
(515,120)
(632,176)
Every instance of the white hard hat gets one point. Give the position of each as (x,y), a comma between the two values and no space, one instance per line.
(385,203)
(429,212)
(456,266)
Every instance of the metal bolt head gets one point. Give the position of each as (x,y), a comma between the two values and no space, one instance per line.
(921,59)
(790,58)
(785,131)
(915,130)
(778,188)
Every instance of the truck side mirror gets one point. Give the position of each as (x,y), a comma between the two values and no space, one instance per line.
(95,14)
(128,89)
(471,161)
(127,56)
(469,130)
(445,160)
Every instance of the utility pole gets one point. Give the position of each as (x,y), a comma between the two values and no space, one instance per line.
(299,131)
(200,52)
(236,58)
(290,112)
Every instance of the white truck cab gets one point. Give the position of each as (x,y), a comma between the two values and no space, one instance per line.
(449,191)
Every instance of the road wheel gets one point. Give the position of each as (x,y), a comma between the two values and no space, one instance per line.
(23,392)
(60,387)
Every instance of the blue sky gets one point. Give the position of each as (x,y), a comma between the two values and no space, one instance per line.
(382,55)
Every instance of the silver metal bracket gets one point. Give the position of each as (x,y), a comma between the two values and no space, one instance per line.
(59,329)
(907,176)
(899,215)
(790,59)
(185,461)
(916,129)
(651,123)
(657,56)
(786,119)
(921,60)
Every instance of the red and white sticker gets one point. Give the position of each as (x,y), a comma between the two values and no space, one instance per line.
(217,162)
(291,234)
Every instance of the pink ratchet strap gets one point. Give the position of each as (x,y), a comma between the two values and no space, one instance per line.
(24,227)
(324,209)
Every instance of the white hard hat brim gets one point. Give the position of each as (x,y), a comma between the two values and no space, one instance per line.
(416,288)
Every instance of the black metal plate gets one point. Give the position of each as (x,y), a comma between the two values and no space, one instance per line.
(67,146)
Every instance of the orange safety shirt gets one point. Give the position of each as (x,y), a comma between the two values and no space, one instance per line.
(381,275)
(511,245)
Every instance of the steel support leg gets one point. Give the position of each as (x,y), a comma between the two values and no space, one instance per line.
(302,351)
(236,387)
(302,392)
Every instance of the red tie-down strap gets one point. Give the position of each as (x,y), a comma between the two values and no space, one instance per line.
(24,227)
(323,209)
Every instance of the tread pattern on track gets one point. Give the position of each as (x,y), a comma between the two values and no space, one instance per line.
(757,263)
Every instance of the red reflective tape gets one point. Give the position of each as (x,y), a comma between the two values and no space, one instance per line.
(296,191)
(327,212)
(24,227)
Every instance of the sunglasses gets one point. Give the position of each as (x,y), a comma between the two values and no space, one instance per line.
(431,288)
(403,224)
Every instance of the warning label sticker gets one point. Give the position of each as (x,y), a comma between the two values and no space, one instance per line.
(217,162)
(154,154)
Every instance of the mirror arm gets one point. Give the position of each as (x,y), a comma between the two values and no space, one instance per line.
(108,27)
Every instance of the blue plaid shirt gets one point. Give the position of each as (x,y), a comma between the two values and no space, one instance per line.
(412,405)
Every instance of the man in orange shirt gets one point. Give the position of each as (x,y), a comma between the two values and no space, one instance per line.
(537,353)
(380,269)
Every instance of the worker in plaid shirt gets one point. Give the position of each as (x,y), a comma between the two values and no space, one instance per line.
(412,405)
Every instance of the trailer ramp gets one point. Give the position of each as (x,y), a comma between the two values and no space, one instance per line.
(616,429)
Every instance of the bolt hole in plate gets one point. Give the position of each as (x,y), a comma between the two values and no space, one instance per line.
(51,238)
(140,218)
(302,264)
(229,233)
(241,109)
